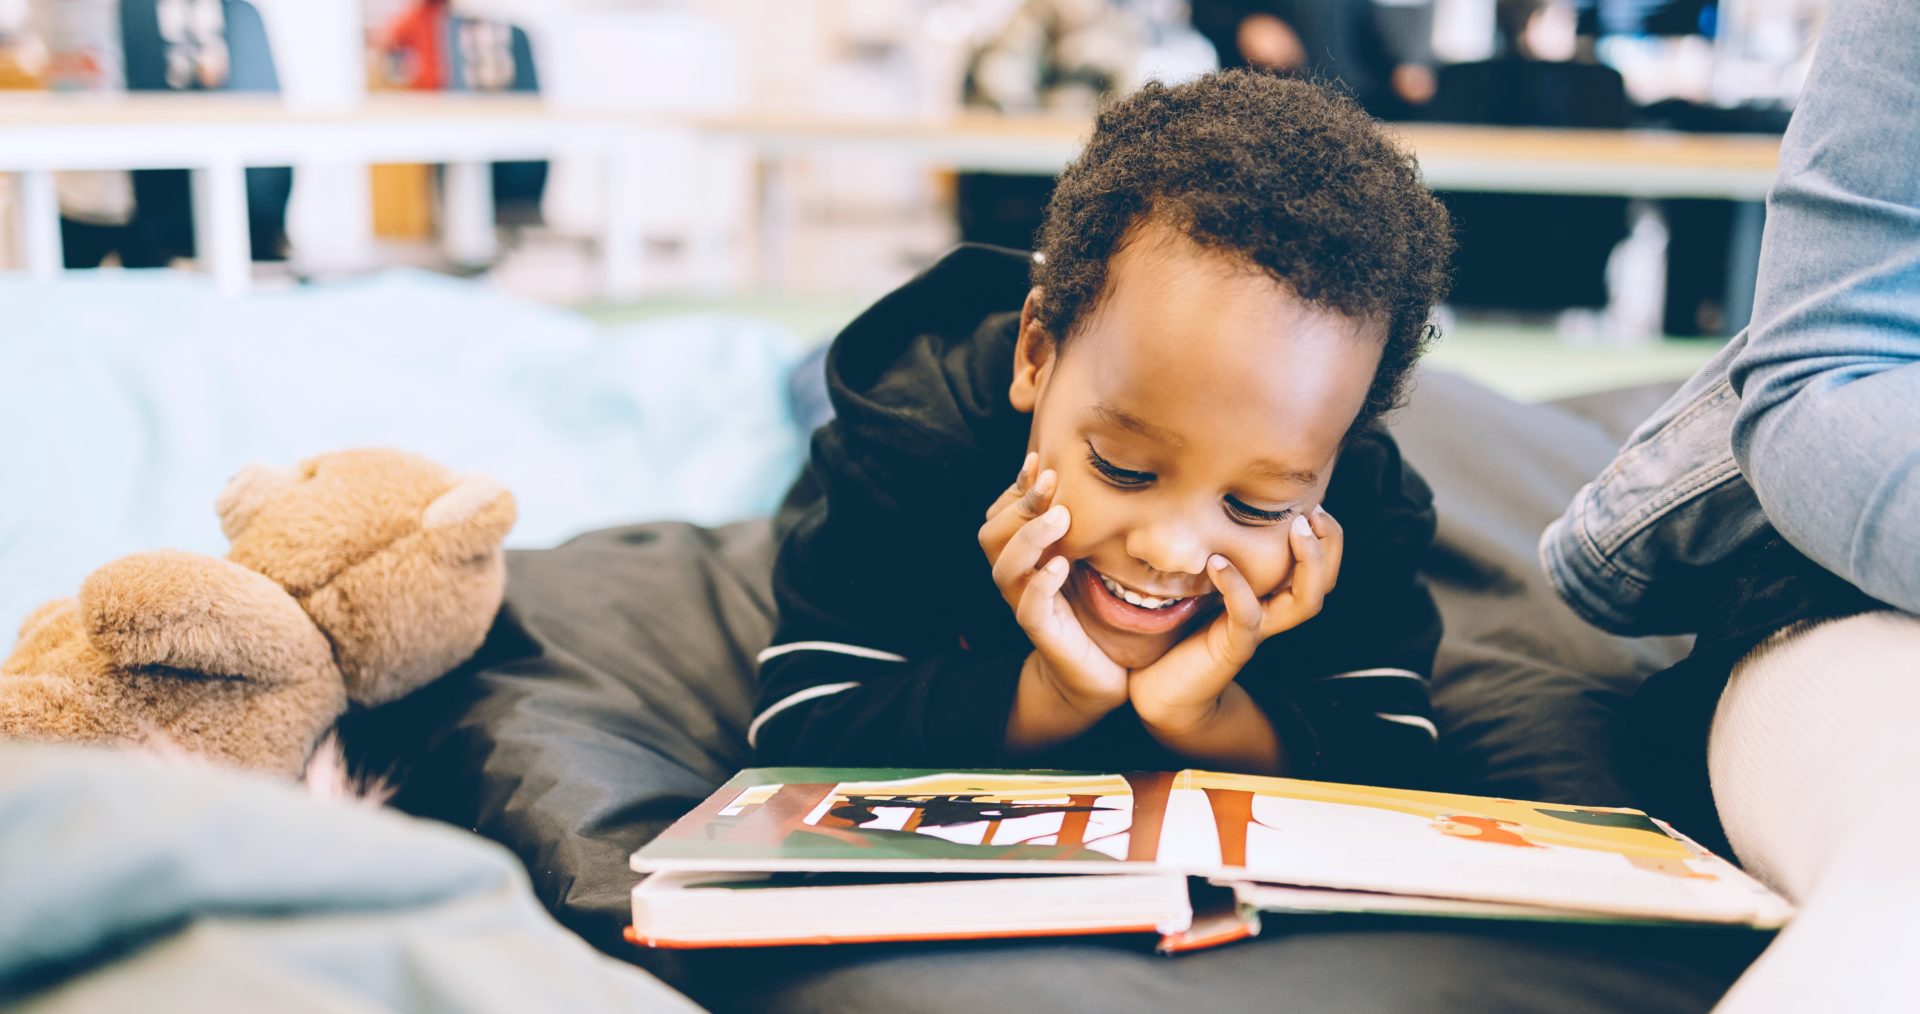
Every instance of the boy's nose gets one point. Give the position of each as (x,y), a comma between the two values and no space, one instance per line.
(1168,548)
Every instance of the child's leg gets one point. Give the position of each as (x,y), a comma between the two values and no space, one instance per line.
(1815,761)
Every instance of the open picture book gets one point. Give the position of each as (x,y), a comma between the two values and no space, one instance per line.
(819,855)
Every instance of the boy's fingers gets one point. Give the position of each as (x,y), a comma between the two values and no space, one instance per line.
(1332,538)
(1036,601)
(1038,495)
(1007,496)
(1311,580)
(1243,613)
(1019,487)
(1016,509)
(1022,509)
(1023,552)
(1027,500)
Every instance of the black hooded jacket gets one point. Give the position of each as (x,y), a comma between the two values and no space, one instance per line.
(895,649)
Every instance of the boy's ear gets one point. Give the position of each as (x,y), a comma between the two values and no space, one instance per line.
(1033,356)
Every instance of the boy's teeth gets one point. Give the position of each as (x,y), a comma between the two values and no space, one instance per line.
(1143,601)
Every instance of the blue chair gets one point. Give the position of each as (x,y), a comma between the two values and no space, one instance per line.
(162,224)
(489,56)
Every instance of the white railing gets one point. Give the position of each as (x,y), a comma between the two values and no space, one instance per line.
(219,136)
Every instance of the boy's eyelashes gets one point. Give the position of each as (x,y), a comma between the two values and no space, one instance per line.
(1237,509)
(1121,477)
(1248,514)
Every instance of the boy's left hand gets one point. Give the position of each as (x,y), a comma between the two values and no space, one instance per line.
(1178,693)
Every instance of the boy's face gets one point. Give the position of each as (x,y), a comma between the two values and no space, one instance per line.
(1198,411)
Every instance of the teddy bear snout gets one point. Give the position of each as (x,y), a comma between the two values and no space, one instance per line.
(247,492)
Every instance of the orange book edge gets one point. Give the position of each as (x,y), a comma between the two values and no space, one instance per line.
(633,937)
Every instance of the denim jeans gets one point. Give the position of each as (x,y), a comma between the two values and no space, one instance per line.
(1809,421)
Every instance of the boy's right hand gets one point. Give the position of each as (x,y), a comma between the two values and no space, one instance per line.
(1022,527)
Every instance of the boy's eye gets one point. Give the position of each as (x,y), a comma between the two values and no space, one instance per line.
(1121,477)
(1248,514)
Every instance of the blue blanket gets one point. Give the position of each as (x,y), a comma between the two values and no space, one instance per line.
(127,879)
(128,399)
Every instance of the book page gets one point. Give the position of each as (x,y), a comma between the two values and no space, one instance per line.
(1597,859)
(821,819)
(1223,826)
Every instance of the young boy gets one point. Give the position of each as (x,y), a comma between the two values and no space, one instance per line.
(1159,416)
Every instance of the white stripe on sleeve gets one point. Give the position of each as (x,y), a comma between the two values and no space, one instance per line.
(801,697)
(1357,673)
(1417,721)
(834,646)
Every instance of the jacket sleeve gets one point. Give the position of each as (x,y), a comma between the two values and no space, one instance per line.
(1365,717)
(1828,430)
(865,666)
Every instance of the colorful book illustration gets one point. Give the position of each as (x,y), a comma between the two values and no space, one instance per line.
(1284,844)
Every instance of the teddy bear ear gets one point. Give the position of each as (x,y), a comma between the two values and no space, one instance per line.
(472,518)
(247,493)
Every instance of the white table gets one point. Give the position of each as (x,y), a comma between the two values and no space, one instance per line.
(1623,163)
(1629,163)
(219,136)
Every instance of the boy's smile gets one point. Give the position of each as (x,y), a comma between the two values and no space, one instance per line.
(1125,609)
(1198,410)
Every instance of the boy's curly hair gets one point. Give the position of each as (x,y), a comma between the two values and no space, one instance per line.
(1295,180)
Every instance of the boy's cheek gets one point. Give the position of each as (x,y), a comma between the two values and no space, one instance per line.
(1070,489)
(1266,567)
(1082,540)
(1082,532)
(1092,520)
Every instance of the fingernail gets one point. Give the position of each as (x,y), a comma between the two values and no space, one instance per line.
(1057,514)
(1046,480)
(1057,564)
(1217,562)
(1028,462)
(1319,511)
(1302,527)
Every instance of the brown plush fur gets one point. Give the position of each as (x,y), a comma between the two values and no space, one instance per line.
(357,576)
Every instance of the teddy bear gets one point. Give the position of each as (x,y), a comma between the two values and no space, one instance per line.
(355,577)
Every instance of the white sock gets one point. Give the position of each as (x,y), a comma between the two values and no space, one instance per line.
(1815,763)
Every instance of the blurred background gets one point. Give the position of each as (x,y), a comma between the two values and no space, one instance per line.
(852,216)
(582,243)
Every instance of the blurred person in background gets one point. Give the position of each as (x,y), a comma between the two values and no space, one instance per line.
(1061,58)
(1538,76)
(1533,252)
(1381,51)
(82,40)
(1058,57)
